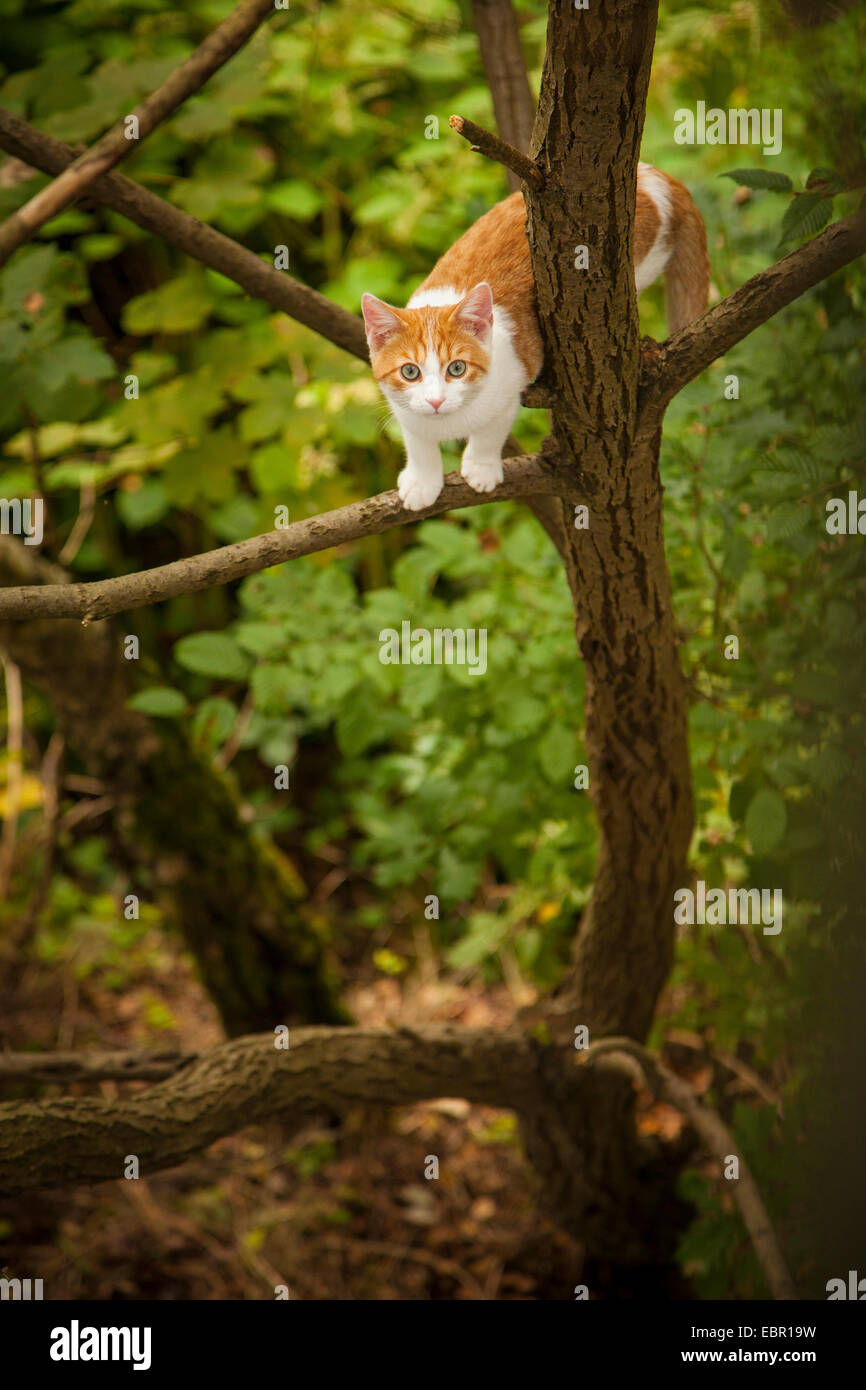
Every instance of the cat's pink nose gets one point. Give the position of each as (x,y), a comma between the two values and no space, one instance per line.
(435,404)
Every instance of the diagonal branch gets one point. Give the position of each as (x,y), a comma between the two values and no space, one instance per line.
(526,476)
(116,144)
(687,353)
(196,239)
(64,1068)
(494,148)
(623,1053)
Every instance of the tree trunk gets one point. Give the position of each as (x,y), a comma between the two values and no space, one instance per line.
(587,142)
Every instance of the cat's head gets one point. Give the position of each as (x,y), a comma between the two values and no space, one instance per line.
(431,360)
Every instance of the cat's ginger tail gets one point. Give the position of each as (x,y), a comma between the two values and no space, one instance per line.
(687,273)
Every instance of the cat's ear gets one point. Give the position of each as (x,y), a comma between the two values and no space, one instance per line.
(475,311)
(380,320)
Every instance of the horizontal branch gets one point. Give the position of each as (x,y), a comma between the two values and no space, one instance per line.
(275,287)
(249,1080)
(689,352)
(118,142)
(530,475)
(63,1068)
(490,145)
(720,1143)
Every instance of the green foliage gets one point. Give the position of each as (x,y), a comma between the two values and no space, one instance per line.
(760,178)
(315,137)
(160,701)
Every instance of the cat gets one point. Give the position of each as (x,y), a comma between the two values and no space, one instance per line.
(453,363)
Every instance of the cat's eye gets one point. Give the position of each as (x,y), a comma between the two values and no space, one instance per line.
(409,371)
(456,368)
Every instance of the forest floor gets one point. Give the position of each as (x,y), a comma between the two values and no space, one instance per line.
(339,1210)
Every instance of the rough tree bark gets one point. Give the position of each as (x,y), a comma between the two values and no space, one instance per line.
(587,144)
(586,1167)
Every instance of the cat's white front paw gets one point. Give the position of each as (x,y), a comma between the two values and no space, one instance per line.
(416,492)
(482,475)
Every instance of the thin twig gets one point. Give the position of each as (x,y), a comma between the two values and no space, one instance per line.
(81,525)
(493,148)
(624,1053)
(224,755)
(50,778)
(66,1067)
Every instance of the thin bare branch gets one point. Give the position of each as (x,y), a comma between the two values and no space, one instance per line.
(526,476)
(490,145)
(64,1068)
(624,1053)
(668,368)
(123,138)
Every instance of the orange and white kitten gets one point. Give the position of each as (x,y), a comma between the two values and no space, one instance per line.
(453,363)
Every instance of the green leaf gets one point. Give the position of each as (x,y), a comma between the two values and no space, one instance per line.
(273,688)
(262,639)
(455,879)
(205,470)
(786,520)
(485,935)
(807,214)
(760,178)
(212,654)
(826,181)
(214,720)
(273,469)
(179,306)
(796,464)
(100,246)
(356,728)
(144,507)
(294,198)
(74,359)
(766,821)
(556,754)
(161,701)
